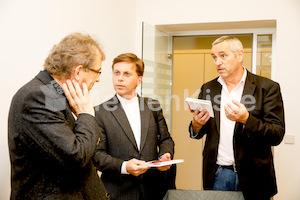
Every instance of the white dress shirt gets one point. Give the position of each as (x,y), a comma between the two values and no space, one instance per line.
(132,110)
(225,150)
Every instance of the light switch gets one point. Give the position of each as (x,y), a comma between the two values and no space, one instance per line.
(289,139)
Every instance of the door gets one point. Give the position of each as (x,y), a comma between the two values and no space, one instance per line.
(192,66)
(157,79)
(187,75)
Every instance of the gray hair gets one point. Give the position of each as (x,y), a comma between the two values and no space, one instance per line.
(74,49)
(234,43)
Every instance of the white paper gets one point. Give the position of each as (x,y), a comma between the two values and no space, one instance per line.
(157,163)
(201,104)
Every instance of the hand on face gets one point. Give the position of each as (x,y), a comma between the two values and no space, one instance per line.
(78,98)
(87,76)
(239,114)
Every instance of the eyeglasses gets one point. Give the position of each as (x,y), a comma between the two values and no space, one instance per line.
(95,71)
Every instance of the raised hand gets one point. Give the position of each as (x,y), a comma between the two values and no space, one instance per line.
(78,98)
(236,113)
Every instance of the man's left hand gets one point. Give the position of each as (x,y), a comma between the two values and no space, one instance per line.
(165,157)
(238,113)
(78,98)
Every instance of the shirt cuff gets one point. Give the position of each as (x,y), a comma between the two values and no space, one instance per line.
(123,168)
(192,134)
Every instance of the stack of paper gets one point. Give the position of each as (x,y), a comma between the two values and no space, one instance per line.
(200,104)
(157,163)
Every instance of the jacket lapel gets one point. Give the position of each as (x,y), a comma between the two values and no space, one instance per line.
(216,103)
(145,113)
(249,85)
(121,118)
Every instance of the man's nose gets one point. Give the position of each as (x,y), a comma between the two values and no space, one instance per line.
(217,61)
(120,78)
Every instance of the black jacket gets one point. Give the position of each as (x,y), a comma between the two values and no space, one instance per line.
(118,145)
(50,151)
(252,143)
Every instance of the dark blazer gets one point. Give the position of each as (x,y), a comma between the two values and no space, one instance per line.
(265,127)
(50,151)
(118,145)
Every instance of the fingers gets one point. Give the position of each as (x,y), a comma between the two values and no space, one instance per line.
(238,104)
(199,119)
(164,168)
(72,90)
(165,157)
(136,167)
(196,112)
(78,98)
(202,117)
(206,117)
(85,89)
(78,92)
(230,112)
(69,92)
(239,114)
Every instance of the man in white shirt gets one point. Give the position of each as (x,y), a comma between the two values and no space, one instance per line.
(133,131)
(249,119)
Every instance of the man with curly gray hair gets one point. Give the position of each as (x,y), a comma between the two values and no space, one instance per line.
(52,131)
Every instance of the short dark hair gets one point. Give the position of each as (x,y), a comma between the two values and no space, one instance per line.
(131,58)
(74,49)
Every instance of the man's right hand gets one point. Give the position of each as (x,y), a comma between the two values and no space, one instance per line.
(78,98)
(136,167)
(199,119)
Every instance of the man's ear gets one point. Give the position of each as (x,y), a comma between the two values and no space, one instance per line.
(140,78)
(241,55)
(77,72)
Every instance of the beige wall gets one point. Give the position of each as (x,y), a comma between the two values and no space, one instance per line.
(287,15)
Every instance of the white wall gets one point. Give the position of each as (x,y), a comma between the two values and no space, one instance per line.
(287,14)
(29,29)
